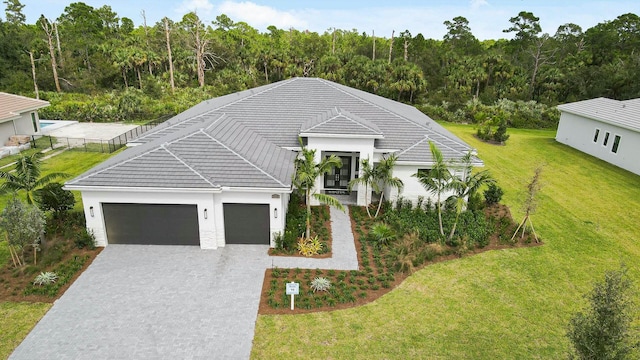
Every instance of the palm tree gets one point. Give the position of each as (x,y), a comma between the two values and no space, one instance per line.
(307,171)
(436,180)
(466,186)
(26,176)
(367,178)
(384,176)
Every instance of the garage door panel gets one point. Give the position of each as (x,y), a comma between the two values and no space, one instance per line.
(151,224)
(246,223)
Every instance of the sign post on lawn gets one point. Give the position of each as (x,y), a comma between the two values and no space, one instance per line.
(293,289)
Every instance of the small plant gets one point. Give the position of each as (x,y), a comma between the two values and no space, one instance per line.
(45,278)
(493,194)
(278,239)
(382,235)
(320,284)
(309,247)
(85,239)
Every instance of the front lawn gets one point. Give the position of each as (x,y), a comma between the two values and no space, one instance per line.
(17,321)
(512,303)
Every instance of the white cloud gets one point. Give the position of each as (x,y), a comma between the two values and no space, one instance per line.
(261,16)
(475,4)
(201,7)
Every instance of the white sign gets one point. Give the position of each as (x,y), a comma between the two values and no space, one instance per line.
(293,288)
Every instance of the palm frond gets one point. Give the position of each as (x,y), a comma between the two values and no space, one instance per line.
(329,200)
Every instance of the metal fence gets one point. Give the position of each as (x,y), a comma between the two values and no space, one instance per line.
(94,145)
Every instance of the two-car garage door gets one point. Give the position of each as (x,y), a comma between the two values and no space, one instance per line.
(177,224)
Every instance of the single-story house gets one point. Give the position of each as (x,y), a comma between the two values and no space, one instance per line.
(221,172)
(605,128)
(19,116)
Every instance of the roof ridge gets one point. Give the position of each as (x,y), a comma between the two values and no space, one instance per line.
(242,157)
(360,121)
(187,165)
(426,137)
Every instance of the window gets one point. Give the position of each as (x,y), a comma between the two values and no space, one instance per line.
(606,139)
(34,122)
(616,143)
(357,167)
(595,137)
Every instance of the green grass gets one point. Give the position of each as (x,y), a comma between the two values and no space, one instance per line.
(511,303)
(17,320)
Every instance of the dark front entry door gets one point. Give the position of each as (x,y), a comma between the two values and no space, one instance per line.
(338,178)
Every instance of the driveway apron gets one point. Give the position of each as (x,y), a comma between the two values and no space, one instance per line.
(167,302)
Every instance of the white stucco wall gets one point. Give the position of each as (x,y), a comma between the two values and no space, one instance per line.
(360,147)
(6,131)
(412,188)
(578,132)
(24,125)
(211,229)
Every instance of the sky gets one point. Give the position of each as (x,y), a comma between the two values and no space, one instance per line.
(487,18)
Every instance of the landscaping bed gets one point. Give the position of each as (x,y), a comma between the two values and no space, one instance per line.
(383,267)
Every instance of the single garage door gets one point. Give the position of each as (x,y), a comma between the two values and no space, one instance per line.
(151,224)
(246,223)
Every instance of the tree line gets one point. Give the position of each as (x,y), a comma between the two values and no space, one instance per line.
(96,66)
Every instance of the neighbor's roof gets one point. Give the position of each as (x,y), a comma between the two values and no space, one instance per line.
(241,139)
(12,106)
(625,114)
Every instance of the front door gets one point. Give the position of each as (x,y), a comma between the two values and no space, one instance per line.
(338,178)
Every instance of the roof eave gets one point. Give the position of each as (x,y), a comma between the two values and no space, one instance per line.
(341,136)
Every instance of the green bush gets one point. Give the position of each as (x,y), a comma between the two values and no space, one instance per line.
(382,235)
(493,194)
(85,239)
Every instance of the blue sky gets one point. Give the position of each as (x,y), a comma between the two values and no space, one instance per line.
(487,18)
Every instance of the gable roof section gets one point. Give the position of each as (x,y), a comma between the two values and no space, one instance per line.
(625,114)
(12,106)
(340,122)
(218,152)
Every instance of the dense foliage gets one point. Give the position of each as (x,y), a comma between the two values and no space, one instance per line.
(95,66)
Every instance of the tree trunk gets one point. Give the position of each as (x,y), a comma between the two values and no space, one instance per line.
(166,33)
(33,74)
(440,216)
(124,77)
(373,34)
(406,49)
(55,28)
(266,72)
(308,222)
(391,45)
(333,42)
(455,224)
(139,77)
(200,47)
(48,30)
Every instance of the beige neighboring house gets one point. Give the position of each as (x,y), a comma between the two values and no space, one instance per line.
(19,116)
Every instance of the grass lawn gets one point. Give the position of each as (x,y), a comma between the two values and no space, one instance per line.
(19,318)
(512,303)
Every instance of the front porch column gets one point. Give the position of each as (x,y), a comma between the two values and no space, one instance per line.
(364,197)
(319,181)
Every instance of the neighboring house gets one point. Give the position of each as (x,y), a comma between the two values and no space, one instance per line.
(221,172)
(19,116)
(605,128)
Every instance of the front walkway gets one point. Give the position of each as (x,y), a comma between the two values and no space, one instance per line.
(168,302)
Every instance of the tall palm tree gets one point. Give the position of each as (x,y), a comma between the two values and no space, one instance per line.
(466,186)
(367,178)
(384,176)
(26,177)
(436,180)
(307,171)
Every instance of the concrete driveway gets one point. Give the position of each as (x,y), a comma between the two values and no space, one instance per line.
(155,302)
(169,302)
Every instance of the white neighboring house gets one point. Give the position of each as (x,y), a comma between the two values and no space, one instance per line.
(605,128)
(221,172)
(19,116)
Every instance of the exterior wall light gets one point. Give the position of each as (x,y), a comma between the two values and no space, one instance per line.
(205,214)
(275,213)
(91,210)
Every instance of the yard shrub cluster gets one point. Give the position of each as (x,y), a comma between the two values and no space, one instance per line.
(288,243)
(65,272)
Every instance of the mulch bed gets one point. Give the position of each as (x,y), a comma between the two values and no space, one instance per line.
(328,241)
(13,281)
(495,243)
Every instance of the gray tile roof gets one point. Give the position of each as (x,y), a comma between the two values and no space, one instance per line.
(240,139)
(625,114)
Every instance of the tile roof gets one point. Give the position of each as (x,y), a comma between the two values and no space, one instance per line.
(625,114)
(11,106)
(240,139)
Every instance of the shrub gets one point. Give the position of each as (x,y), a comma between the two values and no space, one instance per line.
(278,239)
(320,284)
(493,194)
(310,247)
(45,278)
(382,235)
(53,197)
(85,239)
